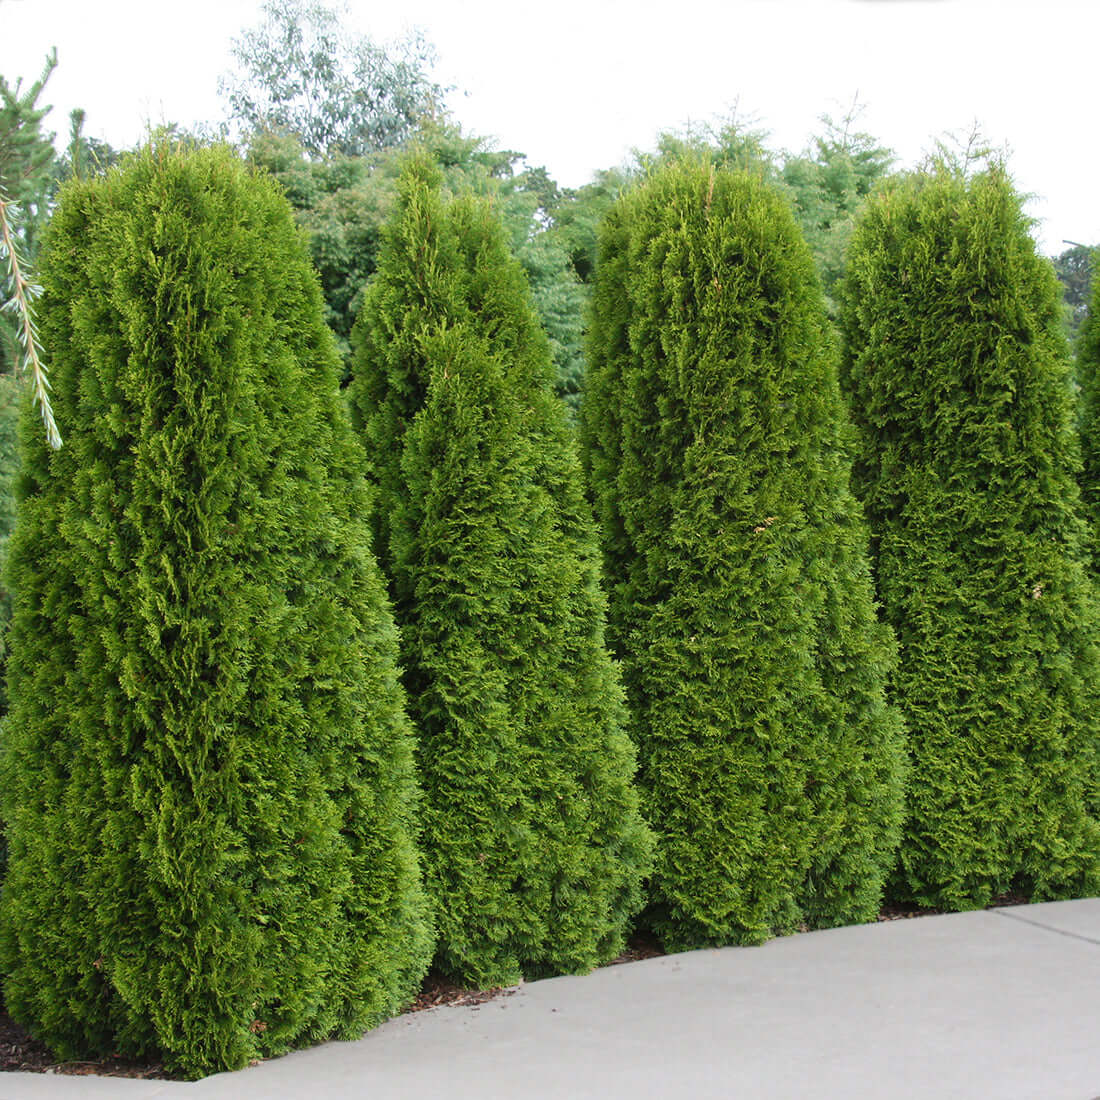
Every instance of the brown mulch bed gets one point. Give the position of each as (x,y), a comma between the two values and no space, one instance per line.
(19,1052)
(904,912)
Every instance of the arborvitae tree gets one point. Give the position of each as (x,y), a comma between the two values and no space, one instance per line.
(740,592)
(1088,378)
(207,770)
(959,380)
(533,845)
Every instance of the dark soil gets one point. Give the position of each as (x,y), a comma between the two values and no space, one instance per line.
(18,1051)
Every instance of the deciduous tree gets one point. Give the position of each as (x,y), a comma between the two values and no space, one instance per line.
(302,73)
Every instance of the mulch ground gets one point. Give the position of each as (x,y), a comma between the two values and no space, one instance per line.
(18,1051)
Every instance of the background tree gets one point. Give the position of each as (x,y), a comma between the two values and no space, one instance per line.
(736,561)
(828,184)
(342,202)
(304,74)
(533,845)
(207,771)
(26,156)
(83,156)
(577,216)
(1074,269)
(959,382)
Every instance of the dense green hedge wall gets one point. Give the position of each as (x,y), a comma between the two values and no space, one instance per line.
(737,565)
(533,844)
(1088,377)
(207,772)
(959,381)
(11,394)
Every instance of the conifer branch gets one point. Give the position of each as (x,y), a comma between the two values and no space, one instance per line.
(23,293)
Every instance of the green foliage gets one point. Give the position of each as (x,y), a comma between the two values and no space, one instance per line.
(1074,270)
(533,845)
(343,203)
(207,772)
(740,596)
(11,392)
(959,383)
(304,75)
(576,216)
(1088,377)
(559,301)
(829,185)
(84,156)
(734,145)
(26,162)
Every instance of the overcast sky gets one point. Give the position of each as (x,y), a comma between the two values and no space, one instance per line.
(575,84)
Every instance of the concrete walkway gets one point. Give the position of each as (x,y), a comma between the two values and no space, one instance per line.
(1002,1004)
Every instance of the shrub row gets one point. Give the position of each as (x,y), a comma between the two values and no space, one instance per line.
(227,838)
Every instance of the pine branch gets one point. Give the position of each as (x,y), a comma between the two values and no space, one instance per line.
(23,292)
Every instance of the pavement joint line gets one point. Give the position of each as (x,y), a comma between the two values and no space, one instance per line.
(1046,928)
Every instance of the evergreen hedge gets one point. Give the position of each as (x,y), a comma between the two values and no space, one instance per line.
(736,558)
(1088,377)
(533,844)
(12,390)
(959,380)
(208,781)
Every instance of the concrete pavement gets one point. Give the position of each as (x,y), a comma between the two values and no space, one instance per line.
(1000,1004)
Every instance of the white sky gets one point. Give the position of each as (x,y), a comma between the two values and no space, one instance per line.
(575,84)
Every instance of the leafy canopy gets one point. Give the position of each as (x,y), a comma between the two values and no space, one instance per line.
(303,73)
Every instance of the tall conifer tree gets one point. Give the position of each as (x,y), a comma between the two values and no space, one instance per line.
(736,556)
(208,783)
(533,844)
(959,381)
